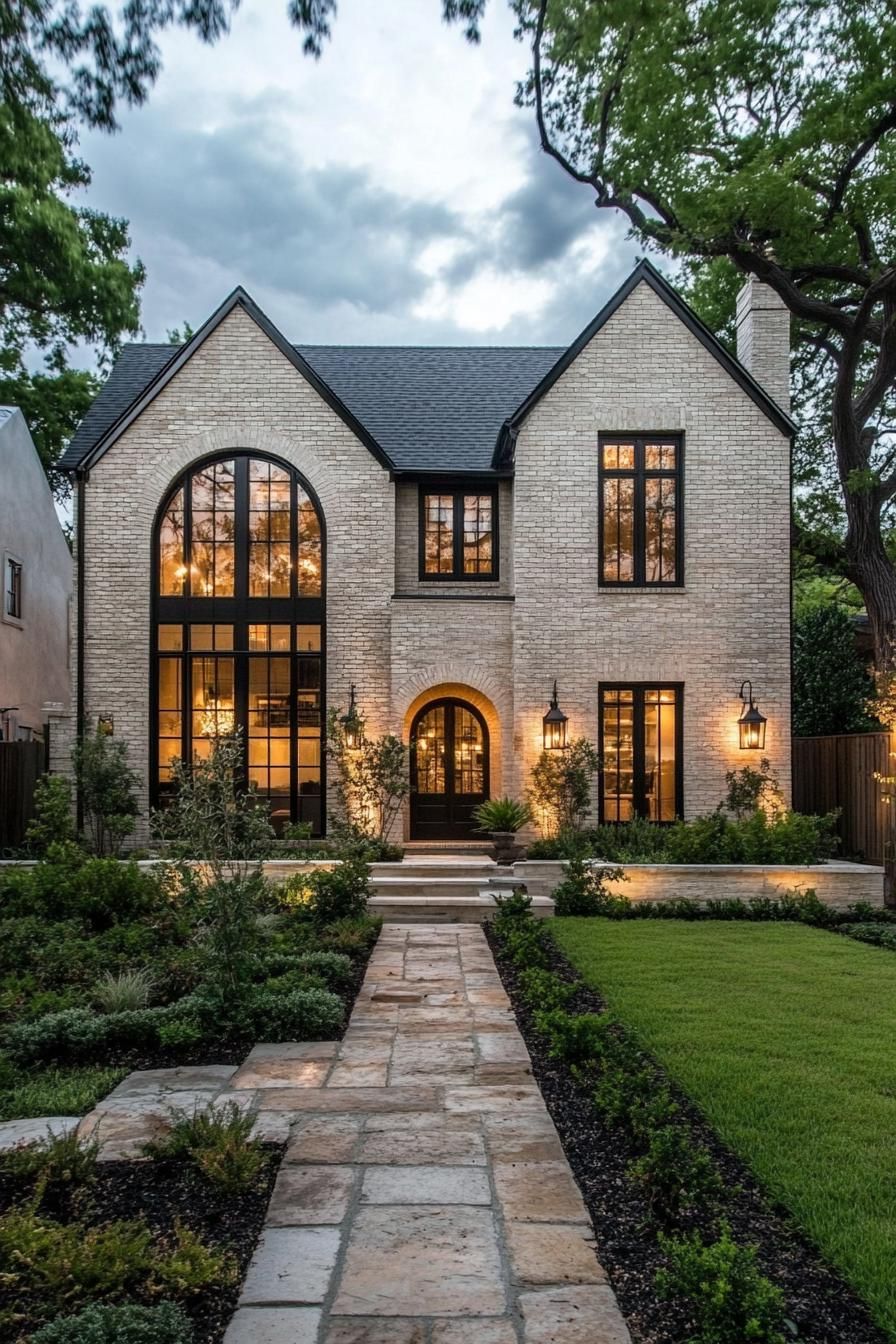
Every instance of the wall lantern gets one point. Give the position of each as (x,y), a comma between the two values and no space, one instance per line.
(751,724)
(554,723)
(105,725)
(352,724)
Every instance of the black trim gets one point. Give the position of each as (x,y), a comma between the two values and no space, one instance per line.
(638,688)
(80,725)
(240,612)
(457,823)
(180,355)
(644,271)
(457,489)
(640,474)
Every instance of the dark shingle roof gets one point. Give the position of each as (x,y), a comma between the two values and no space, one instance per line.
(430,408)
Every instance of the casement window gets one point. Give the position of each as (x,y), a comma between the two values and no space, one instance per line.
(12,589)
(640,511)
(458,533)
(640,747)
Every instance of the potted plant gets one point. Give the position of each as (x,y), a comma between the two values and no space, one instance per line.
(502,818)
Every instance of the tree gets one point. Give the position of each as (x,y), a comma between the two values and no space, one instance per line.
(831,687)
(560,792)
(107,786)
(371,779)
(64,279)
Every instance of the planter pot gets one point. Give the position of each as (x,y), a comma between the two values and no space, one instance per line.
(506,848)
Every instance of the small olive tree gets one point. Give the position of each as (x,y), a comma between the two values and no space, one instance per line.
(107,786)
(560,789)
(219,833)
(371,779)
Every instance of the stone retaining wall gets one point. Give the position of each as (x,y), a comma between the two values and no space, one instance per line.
(838,884)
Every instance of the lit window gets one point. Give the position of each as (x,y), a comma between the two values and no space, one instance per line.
(458,531)
(640,511)
(640,747)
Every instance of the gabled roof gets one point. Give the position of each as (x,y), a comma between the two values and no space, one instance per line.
(644,273)
(418,409)
(179,356)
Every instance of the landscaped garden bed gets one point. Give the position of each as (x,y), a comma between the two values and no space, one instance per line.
(654,1168)
(177,1229)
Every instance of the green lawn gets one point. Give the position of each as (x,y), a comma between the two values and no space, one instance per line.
(785,1036)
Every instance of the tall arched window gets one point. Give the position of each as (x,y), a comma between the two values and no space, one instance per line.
(238,618)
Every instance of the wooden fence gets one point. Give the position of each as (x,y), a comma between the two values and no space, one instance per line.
(21,765)
(837,772)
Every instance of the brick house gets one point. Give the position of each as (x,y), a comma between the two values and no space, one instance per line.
(262,527)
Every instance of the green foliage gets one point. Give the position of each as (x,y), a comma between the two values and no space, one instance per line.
(107,786)
(677,1177)
(180,1034)
(730,1300)
(129,1324)
(502,814)
(334,968)
(353,937)
(370,780)
(209,816)
(124,991)
(579,1039)
(753,789)
(544,990)
(52,823)
(878,935)
(68,884)
(341,892)
(560,791)
(219,1141)
(69,1091)
(831,687)
(59,1160)
(584,889)
(225,909)
(187,1266)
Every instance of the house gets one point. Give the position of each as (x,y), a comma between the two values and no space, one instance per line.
(263,527)
(37,587)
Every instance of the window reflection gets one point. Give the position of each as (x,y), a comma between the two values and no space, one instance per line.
(438,535)
(213,531)
(639,749)
(172,567)
(640,489)
(430,751)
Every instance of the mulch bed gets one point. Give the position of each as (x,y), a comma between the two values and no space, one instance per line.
(818,1301)
(163,1192)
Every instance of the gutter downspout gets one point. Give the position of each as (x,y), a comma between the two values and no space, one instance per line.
(81,699)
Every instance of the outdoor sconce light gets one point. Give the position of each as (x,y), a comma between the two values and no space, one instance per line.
(105,725)
(751,724)
(352,724)
(554,724)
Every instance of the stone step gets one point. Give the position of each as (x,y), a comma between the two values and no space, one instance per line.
(471,884)
(439,907)
(434,868)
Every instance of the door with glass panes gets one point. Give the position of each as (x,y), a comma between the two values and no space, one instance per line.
(449,770)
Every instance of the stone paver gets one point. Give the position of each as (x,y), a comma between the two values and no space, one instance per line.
(424,1196)
(16,1132)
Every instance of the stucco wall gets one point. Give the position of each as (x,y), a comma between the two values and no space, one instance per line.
(644,371)
(34,654)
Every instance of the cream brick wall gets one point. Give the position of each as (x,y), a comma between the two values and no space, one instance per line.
(644,371)
(407,545)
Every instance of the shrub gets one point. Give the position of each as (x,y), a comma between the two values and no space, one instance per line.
(334,968)
(60,1159)
(107,786)
(512,909)
(730,1301)
(124,991)
(226,910)
(353,937)
(628,1096)
(831,686)
(677,1177)
(78,1035)
(578,1039)
(57,1265)
(209,817)
(560,792)
(502,814)
(370,779)
(219,1141)
(878,935)
(68,885)
(189,1266)
(544,990)
(53,822)
(130,1324)
(180,1034)
(341,892)
(53,1091)
(584,890)
(526,943)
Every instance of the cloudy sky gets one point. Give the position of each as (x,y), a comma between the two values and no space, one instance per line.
(389,193)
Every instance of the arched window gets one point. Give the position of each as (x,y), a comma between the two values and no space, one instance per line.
(238,618)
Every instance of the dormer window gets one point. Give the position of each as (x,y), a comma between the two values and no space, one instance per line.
(458,533)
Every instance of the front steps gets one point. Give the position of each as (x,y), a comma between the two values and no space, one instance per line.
(443,888)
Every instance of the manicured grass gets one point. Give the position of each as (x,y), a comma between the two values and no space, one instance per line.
(785,1036)
(56,1092)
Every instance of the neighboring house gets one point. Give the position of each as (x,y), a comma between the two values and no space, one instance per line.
(263,526)
(37,587)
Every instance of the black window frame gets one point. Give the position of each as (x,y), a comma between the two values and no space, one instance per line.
(13,606)
(457,489)
(640,475)
(240,611)
(638,689)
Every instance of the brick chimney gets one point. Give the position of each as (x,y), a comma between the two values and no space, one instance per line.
(763,339)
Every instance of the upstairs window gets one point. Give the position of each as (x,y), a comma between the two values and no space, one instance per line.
(458,534)
(640,511)
(12,600)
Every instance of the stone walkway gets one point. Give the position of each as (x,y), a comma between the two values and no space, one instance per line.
(424,1197)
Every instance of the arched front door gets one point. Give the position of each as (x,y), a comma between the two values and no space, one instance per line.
(449,770)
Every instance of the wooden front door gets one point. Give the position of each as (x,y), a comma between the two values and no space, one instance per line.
(449,770)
